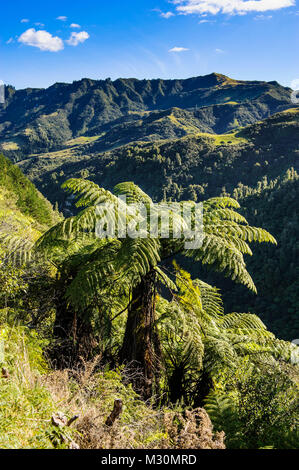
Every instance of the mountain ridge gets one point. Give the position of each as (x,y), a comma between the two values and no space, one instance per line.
(39,120)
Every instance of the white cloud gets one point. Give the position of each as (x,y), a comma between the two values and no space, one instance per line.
(75,25)
(219,51)
(41,25)
(263,17)
(61,18)
(77,38)
(295,84)
(178,49)
(25,20)
(233,7)
(167,15)
(41,39)
(10,40)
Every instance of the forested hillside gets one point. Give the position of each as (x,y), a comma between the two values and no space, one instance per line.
(125,342)
(176,139)
(19,194)
(273,204)
(83,320)
(200,165)
(38,120)
(193,167)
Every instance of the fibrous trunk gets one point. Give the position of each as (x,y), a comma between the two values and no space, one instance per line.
(141,348)
(74,339)
(204,386)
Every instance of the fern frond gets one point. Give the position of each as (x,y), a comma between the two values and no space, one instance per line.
(223,256)
(223,413)
(219,354)
(243,321)
(166,279)
(134,195)
(216,215)
(88,192)
(221,202)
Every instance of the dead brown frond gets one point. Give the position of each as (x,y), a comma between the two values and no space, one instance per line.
(90,392)
(192,430)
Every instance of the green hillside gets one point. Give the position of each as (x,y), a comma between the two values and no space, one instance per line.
(85,320)
(250,164)
(22,206)
(177,139)
(193,166)
(40,120)
(274,205)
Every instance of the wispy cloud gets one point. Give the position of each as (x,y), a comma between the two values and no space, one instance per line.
(75,25)
(25,20)
(41,25)
(206,21)
(178,49)
(295,84)
(61,18)
(10,41)
(263,17)
(77,38)
(167,15)
(156,61)
(42,40)
(219,51)
(233,7)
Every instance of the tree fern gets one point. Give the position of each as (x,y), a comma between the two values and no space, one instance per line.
(114,268)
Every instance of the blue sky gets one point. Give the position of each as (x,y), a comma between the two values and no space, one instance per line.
(46,42)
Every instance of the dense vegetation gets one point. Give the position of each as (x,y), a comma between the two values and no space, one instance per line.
(37,120)
(148,321)
(274,205)
(256,165)
(185,352)
(18,190)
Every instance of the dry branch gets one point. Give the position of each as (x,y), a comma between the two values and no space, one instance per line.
(117,410)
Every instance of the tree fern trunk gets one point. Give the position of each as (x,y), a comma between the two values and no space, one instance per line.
(141,349)
(73,335)
(62,352)
(176,388)
(204,386)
